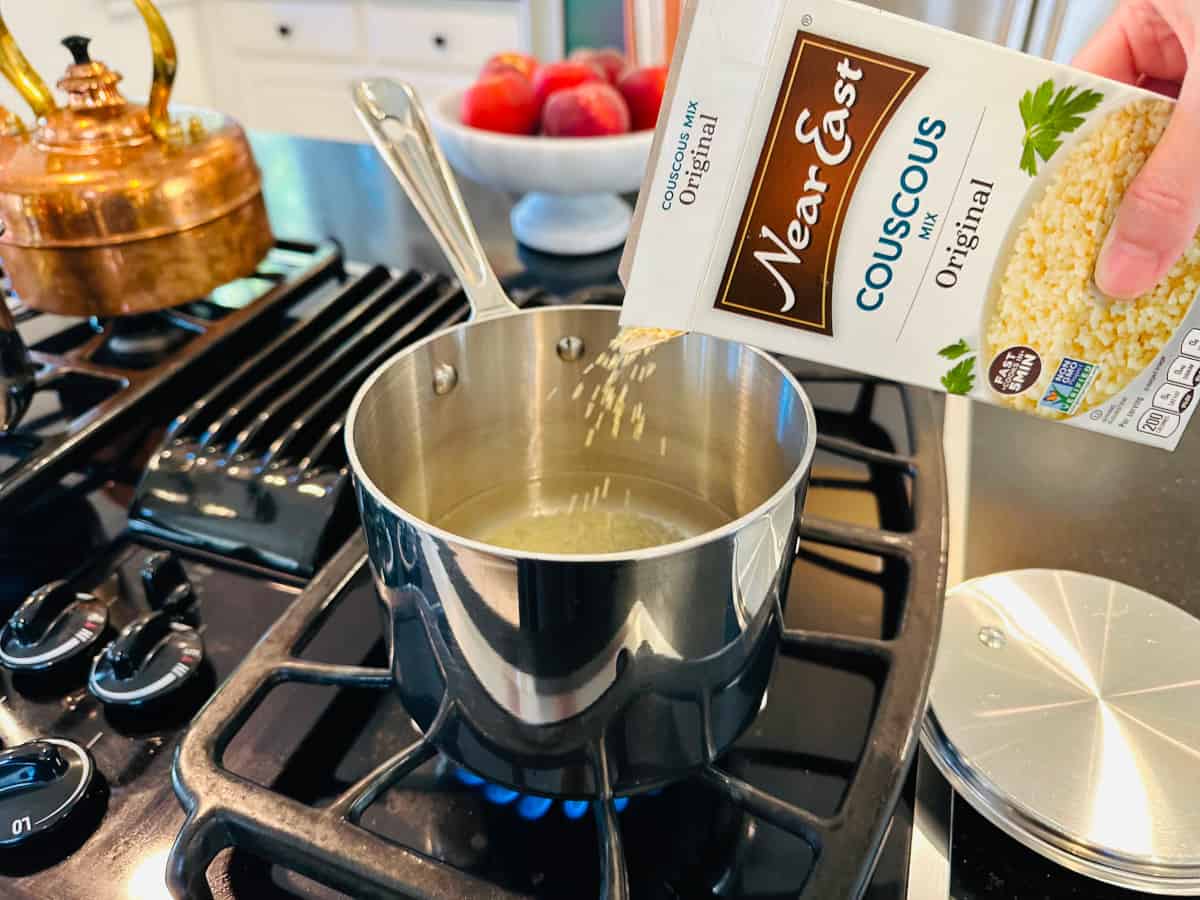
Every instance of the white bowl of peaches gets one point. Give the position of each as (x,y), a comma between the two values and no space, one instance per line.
(570,136)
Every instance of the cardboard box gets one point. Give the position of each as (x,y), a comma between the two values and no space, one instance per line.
(839,184)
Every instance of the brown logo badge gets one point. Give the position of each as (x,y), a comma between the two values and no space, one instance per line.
(1015,370)
(835,102)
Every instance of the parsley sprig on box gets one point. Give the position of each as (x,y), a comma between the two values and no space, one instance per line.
(1047,116)
(955,350)
(961,378)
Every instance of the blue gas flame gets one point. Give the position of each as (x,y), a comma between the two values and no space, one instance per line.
(531,806)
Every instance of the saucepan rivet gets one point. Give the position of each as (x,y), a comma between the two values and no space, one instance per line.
(570,348)
(445,377)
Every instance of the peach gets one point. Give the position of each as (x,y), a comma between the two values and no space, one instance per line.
(643,92)
(502,101)
(559,76)
(521,62)
(608,59)
(589,110)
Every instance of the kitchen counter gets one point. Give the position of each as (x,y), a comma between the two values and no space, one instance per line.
(1042,495)
(316,189)
(1039,494)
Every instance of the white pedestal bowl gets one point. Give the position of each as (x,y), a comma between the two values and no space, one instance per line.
(570,185)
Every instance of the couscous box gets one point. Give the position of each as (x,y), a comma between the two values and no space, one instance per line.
(847,186)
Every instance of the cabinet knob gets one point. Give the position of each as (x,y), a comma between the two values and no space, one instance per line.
(439,41)
(285,30)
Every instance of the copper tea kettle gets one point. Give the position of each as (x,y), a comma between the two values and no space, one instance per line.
(110,208)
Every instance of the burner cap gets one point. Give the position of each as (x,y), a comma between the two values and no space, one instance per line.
(147,335)
(1064,709)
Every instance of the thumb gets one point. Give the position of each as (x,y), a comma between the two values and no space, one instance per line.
(1160,211)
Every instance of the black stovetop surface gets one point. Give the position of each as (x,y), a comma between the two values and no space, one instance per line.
(311,742)
(989,865)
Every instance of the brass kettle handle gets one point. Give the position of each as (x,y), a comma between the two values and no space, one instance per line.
(22,75)
(162,45)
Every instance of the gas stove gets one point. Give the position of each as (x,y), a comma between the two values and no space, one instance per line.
(257,751)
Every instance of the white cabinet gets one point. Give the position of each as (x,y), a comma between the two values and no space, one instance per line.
(310,32)
(442,36)
(286,97)
(287,65)
(298,98)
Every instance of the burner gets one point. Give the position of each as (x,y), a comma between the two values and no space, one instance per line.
(141,341)
(92,377)
(264,446)
(34,545)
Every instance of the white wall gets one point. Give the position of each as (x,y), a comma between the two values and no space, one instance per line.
(118,39)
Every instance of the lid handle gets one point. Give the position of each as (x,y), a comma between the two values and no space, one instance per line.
(78,45)
(162,45)
(22,76)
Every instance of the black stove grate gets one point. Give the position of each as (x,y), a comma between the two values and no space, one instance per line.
(256,469)
(93,377)
(331,845)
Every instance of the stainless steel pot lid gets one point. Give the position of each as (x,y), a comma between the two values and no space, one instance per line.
(1066,709)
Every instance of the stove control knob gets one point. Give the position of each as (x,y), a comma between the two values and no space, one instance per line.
(54,625)
(165,583)
(41,784)
(152,658)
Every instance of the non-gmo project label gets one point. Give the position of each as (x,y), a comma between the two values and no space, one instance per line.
(1069,385)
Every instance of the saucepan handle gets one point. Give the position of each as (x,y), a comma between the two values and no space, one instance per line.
(393,117)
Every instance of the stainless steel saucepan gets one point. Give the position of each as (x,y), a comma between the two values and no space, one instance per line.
(569,675)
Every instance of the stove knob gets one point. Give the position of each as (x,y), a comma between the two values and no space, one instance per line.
(41,784)
(151,659)
(54,625)
(165,582)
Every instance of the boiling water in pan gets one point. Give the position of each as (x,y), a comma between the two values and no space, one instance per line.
(584,513)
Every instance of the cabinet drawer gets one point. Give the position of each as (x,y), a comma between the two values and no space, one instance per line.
(445,33)
(309,30)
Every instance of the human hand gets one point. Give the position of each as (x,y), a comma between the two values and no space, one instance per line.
(1150,43)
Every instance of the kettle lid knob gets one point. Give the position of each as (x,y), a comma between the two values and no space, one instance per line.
(78,45)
